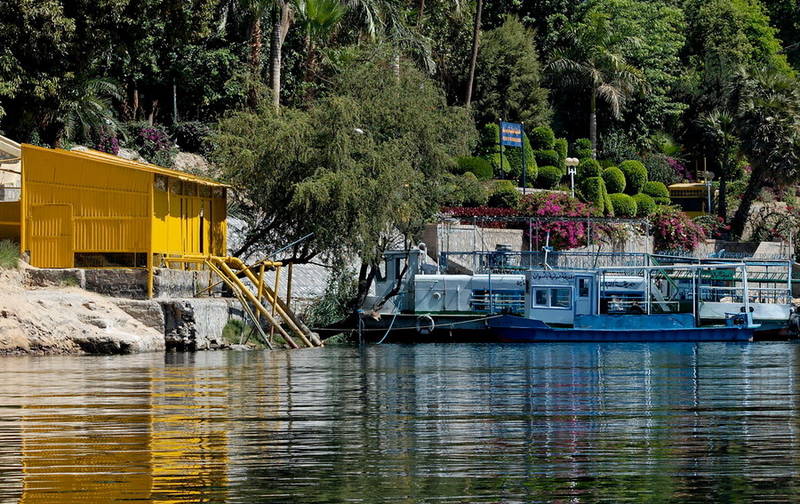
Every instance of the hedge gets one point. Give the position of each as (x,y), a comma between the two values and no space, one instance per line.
(549,177)
(546,157)
(644,204)
(635,176)
(480,167)
(494,160)
(542,138)
(582,148)
(624,205)
(560,147)
(614,179)
(588,168)
(656,189)
(505,195)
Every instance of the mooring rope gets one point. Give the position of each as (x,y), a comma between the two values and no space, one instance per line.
(388,330)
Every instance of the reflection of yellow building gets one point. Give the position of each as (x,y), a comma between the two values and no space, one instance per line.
(159,446)
(691,196)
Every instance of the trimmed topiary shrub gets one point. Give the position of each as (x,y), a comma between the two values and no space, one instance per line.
(546,157)
(635,176)
(542,138)
(494,160)
(474,194)
(479,167)
(644,204)
(560,146)
(656,190)
(582,148)
(593,190)
(549,177)
(505,195)
(589,168)
(624,205)
(608,205)
(614,179)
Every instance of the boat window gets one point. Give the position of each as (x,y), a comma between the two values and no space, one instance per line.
(583,288)
(540,298)
(560,298)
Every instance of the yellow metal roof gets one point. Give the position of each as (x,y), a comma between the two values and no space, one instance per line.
(688,185)
(127,163)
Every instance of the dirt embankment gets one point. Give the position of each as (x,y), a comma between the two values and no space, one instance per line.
(67,320)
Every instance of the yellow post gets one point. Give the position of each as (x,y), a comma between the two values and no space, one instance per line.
(277,283)
(150,230)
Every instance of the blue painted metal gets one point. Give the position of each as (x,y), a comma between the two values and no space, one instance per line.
(635,322)
(512,329)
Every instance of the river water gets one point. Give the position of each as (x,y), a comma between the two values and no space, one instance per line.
(404,423)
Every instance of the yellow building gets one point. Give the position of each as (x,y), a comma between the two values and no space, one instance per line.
(91,209)
(691,196)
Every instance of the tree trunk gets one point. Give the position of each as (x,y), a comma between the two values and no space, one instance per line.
(135,104)
(476,31)
(420,12)
(593,124)
(722,204)
(754,186)
(256,45)
(279,30)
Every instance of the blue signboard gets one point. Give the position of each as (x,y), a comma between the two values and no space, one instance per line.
(511,134)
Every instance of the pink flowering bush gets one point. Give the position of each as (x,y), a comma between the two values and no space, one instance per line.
(107,143)
(563,234)
(674,230)
(680,169)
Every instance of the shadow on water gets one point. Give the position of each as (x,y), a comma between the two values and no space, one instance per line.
(405,423)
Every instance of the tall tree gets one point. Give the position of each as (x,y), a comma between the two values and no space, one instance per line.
(594,62)
(719,132)
(476,33)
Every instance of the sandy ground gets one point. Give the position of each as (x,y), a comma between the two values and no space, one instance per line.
(67,320)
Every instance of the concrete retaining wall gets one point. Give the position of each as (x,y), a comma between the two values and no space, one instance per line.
(197,323)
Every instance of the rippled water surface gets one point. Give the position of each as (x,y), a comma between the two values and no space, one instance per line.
(390,423)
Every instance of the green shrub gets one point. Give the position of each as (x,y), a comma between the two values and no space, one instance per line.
(606,163)
(589,168)
(560,146)
(656,190)
(608,206)
(549,177)
(635,176)
(478,166)
(644,204)
(593,190)
(9,254)
(582,148)
(450,191)
(505,195)
(623,205)
(473,193)
(543,138)
(192,136)
(614,179)
(530,176)
(546,158)
(514,155)
(494,160)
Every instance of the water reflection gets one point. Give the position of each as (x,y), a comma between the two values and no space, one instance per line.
(444,423)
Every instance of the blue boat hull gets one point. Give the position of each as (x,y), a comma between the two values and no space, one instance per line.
(512,329)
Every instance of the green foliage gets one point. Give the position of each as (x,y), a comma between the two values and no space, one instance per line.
(589,168)
(505,195)
(500,164)
(593,190)
(474,193)
(644,204)
(543,138)
(582,148)
(624,206)
(635,175)
(349,187)
(549,177)
(9,254)
(508,83)
(192,136)
(478,166)
(333,305)
(560,146)
(655,189)
(489,149)
(659,169)
(614,179)
(547,158)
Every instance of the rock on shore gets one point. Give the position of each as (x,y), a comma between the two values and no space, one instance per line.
(67,320)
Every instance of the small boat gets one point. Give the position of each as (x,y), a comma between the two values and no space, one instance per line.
(562,305)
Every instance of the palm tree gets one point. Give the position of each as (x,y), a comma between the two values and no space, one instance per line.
(768,125)
(318,19)
(593,61)
(718,128)
(86,108)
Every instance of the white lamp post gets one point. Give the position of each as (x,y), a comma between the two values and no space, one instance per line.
(571,163)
